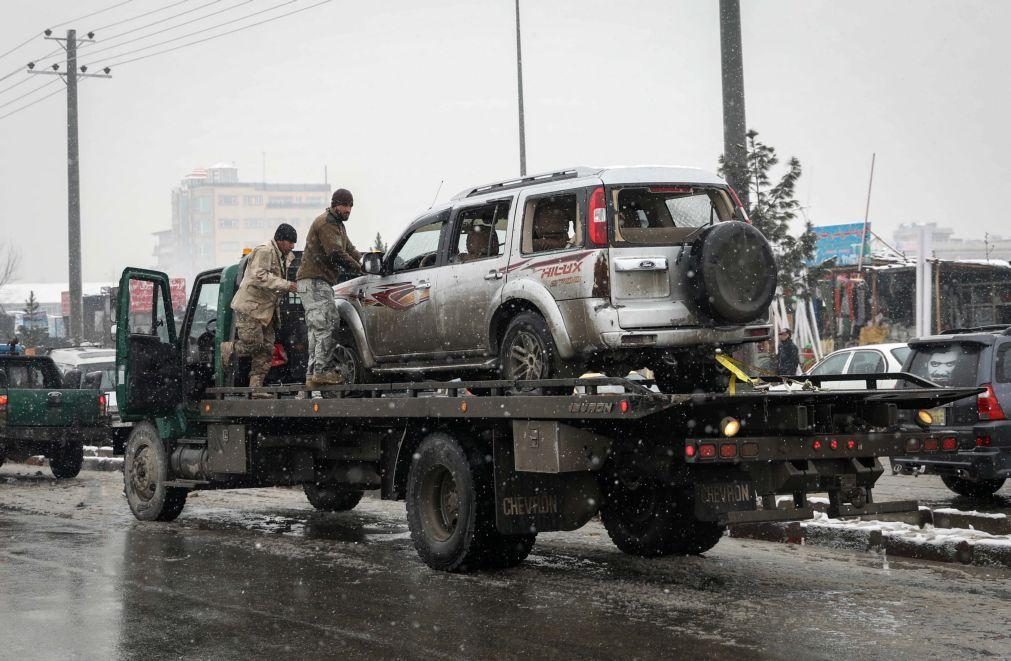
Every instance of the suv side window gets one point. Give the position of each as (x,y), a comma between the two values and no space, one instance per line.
(550,223)
(1002,370)
(420,249)
(480,232)
(866,362)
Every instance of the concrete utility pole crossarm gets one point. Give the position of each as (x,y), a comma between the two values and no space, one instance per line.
(70,76)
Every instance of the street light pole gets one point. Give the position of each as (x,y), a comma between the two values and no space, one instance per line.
(735,150)
(519,82)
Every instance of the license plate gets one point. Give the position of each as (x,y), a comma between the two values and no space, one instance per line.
(721,497)
(940,415)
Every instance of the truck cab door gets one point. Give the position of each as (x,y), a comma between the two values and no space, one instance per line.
(148,359)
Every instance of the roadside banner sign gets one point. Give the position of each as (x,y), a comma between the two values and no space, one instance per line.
(842,242)
(142,294)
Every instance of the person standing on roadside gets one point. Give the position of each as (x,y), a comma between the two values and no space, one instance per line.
(329,258)
(264,282)
(788,359)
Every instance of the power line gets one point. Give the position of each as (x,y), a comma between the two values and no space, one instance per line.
(20,82)
(39,34)
(30,92)
(29,105)
(134,18)
(245,27)
(94,13)
(168,29)
(23,43)
(196,32)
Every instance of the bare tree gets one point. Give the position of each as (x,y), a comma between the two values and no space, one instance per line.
(10,260)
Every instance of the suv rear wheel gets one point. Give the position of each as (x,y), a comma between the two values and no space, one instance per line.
(527,351)
(972,488)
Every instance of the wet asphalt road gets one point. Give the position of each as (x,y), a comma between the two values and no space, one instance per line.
(259,574)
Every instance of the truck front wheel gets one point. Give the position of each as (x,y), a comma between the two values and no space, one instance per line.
(451,509)
(652,520)
(66,461)
(145,471)
(332,498)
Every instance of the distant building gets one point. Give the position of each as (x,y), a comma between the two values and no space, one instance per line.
(944,245)
(215,216)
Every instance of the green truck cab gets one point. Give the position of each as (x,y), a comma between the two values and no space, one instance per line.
(39,416)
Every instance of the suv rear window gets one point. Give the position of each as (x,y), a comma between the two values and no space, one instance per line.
(665,214)
(955,364)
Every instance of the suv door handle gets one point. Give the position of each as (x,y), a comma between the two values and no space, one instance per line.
(424,284)
(493,275)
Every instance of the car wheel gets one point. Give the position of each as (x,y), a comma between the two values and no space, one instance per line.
(348,360)
(66,461)
(651,520)
(451,509)
(332,498)
(972,488)
(527,352)
(145,472)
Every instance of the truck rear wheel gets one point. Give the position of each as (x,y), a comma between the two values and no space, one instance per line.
(332,498)
(66,461)
(651,520)
(972,488)
(451,510)
(145,471)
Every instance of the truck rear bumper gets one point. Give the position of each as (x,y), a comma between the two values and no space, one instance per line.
(52,435)
(979,464)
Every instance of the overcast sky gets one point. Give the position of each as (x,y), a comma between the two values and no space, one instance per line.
(396,96)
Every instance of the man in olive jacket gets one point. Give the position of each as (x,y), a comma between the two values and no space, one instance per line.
(328,255)
(263,283)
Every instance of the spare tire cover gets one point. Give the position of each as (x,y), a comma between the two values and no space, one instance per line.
(733,272)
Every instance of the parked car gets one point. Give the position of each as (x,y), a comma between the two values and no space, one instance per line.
(76,362)
(866,359)
(552,275)
(977,425)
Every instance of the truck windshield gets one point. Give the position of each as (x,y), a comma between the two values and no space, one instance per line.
(665,214)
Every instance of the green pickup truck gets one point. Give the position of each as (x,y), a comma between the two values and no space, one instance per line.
(38,416)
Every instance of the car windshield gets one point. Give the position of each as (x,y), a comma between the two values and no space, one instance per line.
(660,215)
(951,364)
(901,353)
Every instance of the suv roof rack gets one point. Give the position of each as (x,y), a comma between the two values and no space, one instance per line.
(508,184)
(1004,328)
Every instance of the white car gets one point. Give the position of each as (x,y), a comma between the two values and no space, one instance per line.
(867,359)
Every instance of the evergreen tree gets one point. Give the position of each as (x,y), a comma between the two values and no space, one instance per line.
(34,331)
(379,245)
(773,208)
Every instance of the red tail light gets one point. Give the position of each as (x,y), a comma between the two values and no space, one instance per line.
(728,451)
(598,218)
(737,203)
(851,445)
(949,444)
(689,451)
(930,445)
(834,444)
(983,441)
(987,405)
(707,450)
(3,403)
(816,445)
(102,404)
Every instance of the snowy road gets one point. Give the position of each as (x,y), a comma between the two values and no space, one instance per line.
(259,574)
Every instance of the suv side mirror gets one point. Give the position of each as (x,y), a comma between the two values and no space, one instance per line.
(92,381)
(372,263)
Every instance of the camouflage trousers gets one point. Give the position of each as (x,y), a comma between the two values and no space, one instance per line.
(322,323)
(255,340)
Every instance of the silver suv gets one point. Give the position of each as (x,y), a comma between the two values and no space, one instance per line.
(608,269)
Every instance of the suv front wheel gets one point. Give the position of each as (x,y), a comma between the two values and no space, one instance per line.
(527,352)
(972,488)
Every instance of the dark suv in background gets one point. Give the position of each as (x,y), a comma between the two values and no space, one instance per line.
(977,426)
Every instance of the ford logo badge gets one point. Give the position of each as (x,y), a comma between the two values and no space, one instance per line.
(647,264)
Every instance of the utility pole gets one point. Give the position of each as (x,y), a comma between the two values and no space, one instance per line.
(735,128)
(519,83)
(70,76)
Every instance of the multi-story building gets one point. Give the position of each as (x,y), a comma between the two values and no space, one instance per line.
(215,216)
(944,244)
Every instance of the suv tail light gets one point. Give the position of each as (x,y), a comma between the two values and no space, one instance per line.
(987,405)
(3,403)
(598,218)
(103,402)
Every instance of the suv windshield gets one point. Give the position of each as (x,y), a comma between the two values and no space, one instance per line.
(661,215)
(953,364)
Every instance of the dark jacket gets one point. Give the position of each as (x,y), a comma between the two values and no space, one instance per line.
(329,252)
(789,358)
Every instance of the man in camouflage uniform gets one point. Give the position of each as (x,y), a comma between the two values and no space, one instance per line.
(329,257)
(264,282)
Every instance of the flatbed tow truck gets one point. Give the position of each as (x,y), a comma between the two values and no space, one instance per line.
(484,466)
